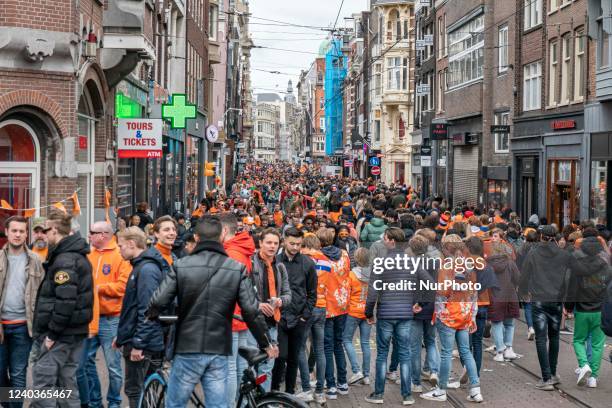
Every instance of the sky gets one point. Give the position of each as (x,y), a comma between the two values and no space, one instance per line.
(312,13)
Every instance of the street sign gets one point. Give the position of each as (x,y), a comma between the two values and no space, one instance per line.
(241,145)
(425,161)
(139,138)
(423,89)
(375,170)
(178,111)
(212,133)
(425,150)
(374,161)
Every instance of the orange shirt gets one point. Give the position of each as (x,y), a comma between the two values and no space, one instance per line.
(278,218)
(338,286)
(165,251)
(42,253)
(110,276)
(357,297)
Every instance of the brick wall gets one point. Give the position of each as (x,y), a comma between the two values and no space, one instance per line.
(52,15)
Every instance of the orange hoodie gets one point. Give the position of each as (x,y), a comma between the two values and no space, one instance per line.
(110,275)
(240,248)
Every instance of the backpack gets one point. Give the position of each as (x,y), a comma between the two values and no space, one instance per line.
(606,312)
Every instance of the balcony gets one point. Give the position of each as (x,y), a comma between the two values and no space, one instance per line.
(395,97)
(125,37)
(214,54)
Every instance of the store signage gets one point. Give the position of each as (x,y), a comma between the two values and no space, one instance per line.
(425,151)
(83,142)
(426,41)
(139,138)
(241,145)
(212,133)
(500,128)
(425,3)
(563,124)
(375,170)
(178,111)
(348,163)
(425,161)
(374,161)
(439,131)
(442,162)
(423,89)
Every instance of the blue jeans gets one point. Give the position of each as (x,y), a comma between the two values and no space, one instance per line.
(528,314)
(267,366)
(334,328)
(448,336)
(364,339)
(503,334)
(81,375)
(476,337)
(236,364)
(400,331)
(317,329)
(422,331)
(14,354)
(188,370)
(394,356)
(107,331)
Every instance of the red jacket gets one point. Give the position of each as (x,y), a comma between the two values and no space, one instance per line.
(240,248)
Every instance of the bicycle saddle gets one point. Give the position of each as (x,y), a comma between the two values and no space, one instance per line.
(252,355)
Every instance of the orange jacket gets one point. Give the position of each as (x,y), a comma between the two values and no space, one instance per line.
(240,248)
(278,218)
(110,276)
(357,297)
(338,286)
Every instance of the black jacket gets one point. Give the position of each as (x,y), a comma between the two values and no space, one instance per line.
(283,289)
(590,278)
(303,283)
(148,271)
(207,284)
(64,304)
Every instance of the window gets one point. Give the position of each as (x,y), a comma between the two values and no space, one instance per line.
(394,71)
(322,124)
(554,4)
(405,73)
(552,74)
(442,36)
(466,52)
(405,29)
(441,89)
(377,131)
(565,69)
(425,97)
(502,139)
(532,86)
(213,21)
(378,80)
(503,49)
(603,46)
(533,13)
(579,66)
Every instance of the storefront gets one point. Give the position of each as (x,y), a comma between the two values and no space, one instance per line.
(551,148)
(497,186)
(465,137)
(439,157)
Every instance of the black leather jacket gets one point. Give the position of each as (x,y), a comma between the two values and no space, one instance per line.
(281,277)
(207,285)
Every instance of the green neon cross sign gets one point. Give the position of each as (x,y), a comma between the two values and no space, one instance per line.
(178,111)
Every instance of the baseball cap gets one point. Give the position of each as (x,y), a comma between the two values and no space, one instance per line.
(38,222)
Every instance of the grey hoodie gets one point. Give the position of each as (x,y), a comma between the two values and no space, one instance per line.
(362,273)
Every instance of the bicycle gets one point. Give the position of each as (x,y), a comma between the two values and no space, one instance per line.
(251,394)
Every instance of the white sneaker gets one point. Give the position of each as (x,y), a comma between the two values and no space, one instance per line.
(583,374)
(433,379)
(455,353)
(320,398)
(592,382)
(475,395)
(489,349)
(417,389)
(343,389)
(392,376)
(366,380)
(355,378)
(425,374)
(499,357)
(454,385)
(530,334)
(305,396)
(332,393)
(436,394)
(509,354)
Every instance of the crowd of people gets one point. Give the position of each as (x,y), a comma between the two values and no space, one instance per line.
(284,262)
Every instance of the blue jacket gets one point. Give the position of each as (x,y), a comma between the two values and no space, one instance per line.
(149,270)
(395,304)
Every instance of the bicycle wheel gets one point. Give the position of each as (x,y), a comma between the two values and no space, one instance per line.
(280,400)
(154,392)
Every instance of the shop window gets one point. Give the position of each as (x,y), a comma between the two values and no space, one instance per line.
(599,192)
(502,139)
(497,193)
(563,193)
(16,144)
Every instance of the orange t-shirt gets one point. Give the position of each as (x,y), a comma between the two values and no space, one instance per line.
(357,297)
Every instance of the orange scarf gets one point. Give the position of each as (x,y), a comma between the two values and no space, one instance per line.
(271,284)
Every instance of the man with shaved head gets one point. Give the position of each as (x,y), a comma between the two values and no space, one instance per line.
(110,275)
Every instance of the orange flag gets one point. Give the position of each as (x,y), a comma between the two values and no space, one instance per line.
(76,207)
(5,205)
(29,212)
(60,207)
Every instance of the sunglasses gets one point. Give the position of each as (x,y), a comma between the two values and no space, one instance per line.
(95,232)
(46,230)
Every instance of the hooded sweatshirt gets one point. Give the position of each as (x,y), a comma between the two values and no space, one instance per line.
(359,279)
(590,277)
(240,248)
(372,232)
(338,284)
(110,273)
